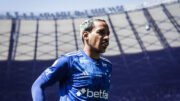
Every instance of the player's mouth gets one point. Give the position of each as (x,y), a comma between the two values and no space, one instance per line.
(105,44)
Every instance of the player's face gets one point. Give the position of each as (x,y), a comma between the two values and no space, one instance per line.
(99,37)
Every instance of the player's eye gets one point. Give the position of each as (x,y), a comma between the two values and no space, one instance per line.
(101,32)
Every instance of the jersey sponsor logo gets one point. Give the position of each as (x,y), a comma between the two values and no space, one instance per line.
(93,94)
(80,92)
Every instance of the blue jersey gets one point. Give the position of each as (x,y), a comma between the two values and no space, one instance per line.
(80,77)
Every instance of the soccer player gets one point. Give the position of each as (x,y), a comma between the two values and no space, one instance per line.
(83,75)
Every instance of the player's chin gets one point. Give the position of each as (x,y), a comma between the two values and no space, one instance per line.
(103,50)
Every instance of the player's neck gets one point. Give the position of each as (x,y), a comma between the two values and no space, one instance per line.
(91,53)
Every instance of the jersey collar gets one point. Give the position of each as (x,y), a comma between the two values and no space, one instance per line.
(89,58)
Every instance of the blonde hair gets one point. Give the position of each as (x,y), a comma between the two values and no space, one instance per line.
(88,25)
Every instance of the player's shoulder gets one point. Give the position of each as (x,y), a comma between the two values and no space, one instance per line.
(74,54)
(70,55)
(105,60)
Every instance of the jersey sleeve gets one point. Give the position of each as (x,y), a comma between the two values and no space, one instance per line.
(57,72)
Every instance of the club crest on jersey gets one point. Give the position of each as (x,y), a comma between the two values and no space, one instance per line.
(104,65)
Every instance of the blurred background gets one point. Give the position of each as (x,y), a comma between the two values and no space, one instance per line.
(144,45)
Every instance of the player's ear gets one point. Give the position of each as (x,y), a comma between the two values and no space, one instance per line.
(85,35)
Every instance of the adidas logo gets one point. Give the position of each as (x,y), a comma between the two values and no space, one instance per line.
(84,73)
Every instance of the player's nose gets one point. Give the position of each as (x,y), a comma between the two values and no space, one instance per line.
(106,37)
